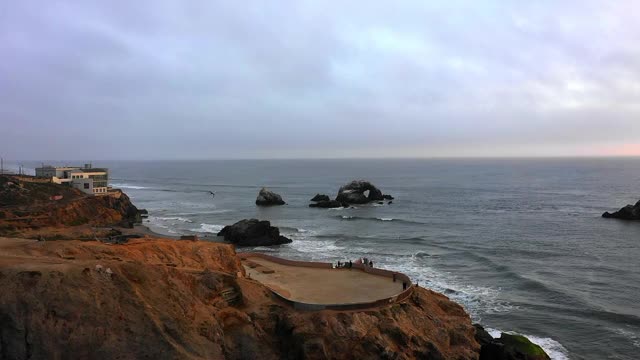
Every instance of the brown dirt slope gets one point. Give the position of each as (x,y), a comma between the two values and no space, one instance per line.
(26,206)
(166,299)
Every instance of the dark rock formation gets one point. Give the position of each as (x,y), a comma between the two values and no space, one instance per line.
(629,212)
(320,197)
(268,198)
(507,347)
(253,232)
(354,193)
(328,204)
(387,197)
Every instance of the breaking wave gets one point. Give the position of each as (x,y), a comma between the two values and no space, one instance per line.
(209,228)
(128,186)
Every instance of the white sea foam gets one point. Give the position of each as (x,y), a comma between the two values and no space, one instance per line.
(554,349)
(177,218)
(153,222)
(321,247)
(210,228)
(127,186)
(634,337)
(475,299)
(264,249)
(385,219)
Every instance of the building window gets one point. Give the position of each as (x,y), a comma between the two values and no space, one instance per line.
(86,185)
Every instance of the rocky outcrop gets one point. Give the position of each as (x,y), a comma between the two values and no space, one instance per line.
(28,206)
(268,198)
(629,212)
(354,193)
(253,232)
(320,197)
(507,347)
(165,299)
(328,204)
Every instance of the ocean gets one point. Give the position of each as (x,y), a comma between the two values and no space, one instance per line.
(518,242)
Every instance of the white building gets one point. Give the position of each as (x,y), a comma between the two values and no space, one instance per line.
(88,179)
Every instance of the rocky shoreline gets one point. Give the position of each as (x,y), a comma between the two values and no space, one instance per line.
(162,298)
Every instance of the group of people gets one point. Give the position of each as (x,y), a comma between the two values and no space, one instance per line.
(349,264)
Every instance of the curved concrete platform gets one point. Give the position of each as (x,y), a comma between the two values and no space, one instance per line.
(315,284)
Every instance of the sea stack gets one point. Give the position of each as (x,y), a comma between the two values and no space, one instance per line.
(253,232)
(629,212)
(268,198)
(354,193)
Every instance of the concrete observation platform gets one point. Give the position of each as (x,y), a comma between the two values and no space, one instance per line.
(323,286)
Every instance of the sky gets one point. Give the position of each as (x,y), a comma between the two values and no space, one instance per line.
(154,79)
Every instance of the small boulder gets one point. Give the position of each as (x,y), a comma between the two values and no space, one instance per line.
(320,197)
(629,212)
(253,232)
(268,198)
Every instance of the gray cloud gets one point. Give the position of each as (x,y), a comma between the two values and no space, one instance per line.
(160,79)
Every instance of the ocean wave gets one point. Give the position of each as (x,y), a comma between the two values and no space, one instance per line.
(349,238)
(553,348)
(362,218)
(177,218)
(209,228)
(423,254)
(634,337)
(323,248)
(288,229)
(208,212)
(128,186)
(476,299)
(160,225)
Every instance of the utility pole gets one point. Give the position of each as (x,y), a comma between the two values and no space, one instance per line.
(1,166)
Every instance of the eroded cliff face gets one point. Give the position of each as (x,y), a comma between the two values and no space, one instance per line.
(169,299)
(27,206)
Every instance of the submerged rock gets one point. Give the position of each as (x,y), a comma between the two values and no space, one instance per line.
(328,204)
(507,347)
(629,212)
(321,197)
(253,232)
(354,193)
(268,198)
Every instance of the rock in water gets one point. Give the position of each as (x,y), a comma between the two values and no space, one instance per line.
(329,204)
(507,347)
(321,197)
(629,212)
(354,193)
(253,232)
(268,198)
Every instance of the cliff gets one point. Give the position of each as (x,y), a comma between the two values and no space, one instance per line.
(27,206)
(167,299)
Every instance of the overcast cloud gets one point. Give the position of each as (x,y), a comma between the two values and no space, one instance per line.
(200,79)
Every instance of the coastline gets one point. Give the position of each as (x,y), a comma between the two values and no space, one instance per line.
(147,232)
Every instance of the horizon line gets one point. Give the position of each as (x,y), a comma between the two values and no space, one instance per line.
(514,157)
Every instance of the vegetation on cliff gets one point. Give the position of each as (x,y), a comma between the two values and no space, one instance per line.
(27,206)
